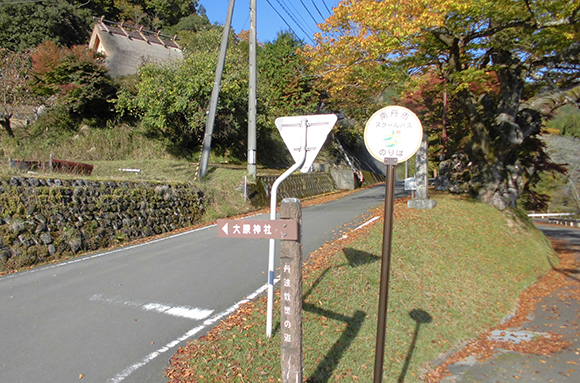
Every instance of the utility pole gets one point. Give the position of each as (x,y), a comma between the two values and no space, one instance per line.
(206,147)
(252,97)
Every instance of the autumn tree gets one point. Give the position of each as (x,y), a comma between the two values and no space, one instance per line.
(76,78)
(506,64)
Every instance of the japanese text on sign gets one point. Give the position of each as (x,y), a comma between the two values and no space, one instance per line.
(285,229)
(286,303)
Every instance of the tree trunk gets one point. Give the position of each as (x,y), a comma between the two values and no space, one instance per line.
(504,154)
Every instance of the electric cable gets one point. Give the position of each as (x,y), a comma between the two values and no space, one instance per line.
(283,19)
(315,6)
(293,19)
(298,15)
(329,11)
(308,10)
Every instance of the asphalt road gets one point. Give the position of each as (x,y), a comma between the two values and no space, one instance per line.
(118,316)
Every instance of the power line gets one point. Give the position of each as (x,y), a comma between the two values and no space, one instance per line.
(307,10)
(301,17)
(293,19)
(315,6)
(324,2)
(283,19)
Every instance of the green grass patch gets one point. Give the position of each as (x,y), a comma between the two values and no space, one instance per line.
(456,271)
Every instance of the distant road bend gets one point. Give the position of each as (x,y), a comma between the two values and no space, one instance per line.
(118,316)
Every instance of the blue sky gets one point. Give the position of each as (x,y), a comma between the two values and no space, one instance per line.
(301,15)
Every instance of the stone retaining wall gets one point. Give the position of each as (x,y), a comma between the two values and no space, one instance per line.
(44,219)
(295,186)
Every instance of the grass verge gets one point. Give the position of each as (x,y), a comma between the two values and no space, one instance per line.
(456,271)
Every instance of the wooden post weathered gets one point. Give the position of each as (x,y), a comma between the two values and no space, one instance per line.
(291,296)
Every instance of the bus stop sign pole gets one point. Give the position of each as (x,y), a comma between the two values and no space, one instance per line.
(391,163)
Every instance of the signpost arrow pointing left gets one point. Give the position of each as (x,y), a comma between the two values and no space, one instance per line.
(225,228)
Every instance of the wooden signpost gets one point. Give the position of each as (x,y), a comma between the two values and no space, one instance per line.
(304,137)
(284,229)
(288,229)
(291,297)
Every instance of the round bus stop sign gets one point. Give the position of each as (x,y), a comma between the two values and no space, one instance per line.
(393,132)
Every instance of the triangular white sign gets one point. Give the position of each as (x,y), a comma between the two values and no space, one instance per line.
(317,128)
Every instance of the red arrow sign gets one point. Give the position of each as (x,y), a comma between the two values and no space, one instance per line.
(285,229)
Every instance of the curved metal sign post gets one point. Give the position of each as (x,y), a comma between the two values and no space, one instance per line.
(304,137)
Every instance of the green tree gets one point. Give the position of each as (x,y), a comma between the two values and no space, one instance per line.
(171,101)
(155,14)
(286,84)
(506,64)
(195,22)
(26,25)
(98,8)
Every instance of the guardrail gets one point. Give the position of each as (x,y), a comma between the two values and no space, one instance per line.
(548,215)
(565,222)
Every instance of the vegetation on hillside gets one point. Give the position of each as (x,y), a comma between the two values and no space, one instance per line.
(484,78)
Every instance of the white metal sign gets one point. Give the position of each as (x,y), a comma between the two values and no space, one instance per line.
(317,128)
(393,132)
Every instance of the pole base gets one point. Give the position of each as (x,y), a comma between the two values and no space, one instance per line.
(421,203)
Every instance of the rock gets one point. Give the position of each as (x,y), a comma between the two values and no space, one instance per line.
(5,254)
(40,218)
(22,239)
(46,238)
(33,182)
(75,244)
(30,209)
(41,228)
(17,226)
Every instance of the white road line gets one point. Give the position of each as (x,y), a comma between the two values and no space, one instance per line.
(207,323)
(361,226)
(177,311)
